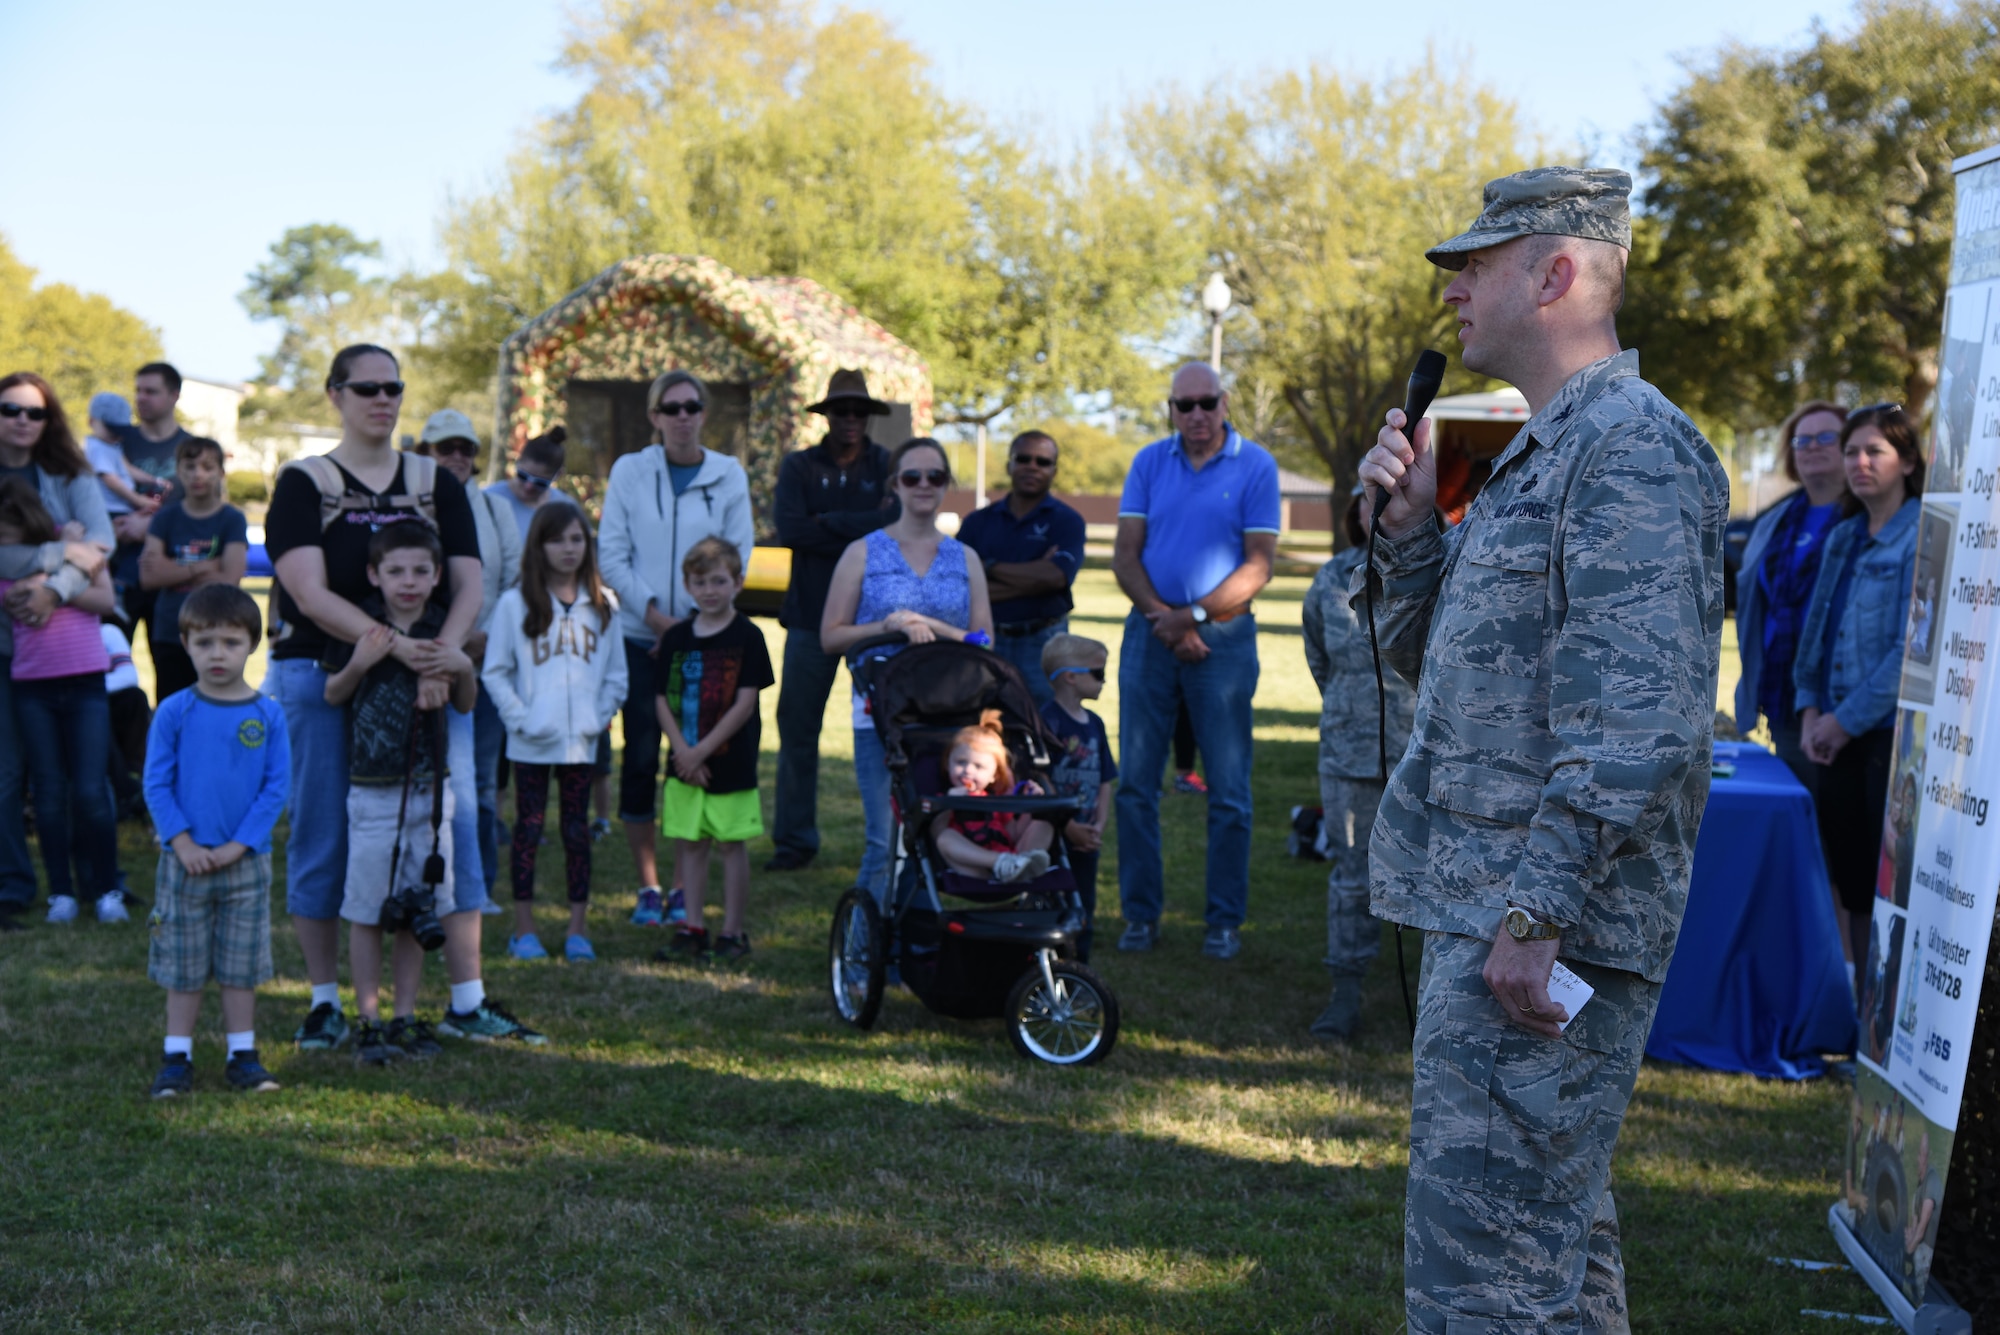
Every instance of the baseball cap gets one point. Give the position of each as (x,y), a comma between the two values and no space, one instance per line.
(111,409)
(449,424)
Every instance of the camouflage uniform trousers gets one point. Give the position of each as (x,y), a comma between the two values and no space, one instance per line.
(1353,936)
(1509,1225)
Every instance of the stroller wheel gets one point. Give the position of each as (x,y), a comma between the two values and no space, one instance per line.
(1076,1024)
(857,952)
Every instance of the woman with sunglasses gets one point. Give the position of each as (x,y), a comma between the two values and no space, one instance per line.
(38,449)
(1850,660)
(1775,582)
(318,534)
(910,578)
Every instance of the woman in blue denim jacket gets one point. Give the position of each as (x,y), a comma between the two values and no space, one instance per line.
(1850,658)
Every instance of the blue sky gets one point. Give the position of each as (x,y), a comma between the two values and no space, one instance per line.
(170,145)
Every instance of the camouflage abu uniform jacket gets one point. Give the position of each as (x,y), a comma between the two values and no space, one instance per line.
(1568,634)
(1336,639)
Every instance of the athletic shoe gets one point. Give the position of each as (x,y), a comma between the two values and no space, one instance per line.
(1190,782)
(324,1030)
(677,908)
(372,1046)
(527,946)
(577,950)
(489,1022)
(732,947)
(689,943)
(176,1076)
(413,1038)
(600,829)
(111,907)
(1027,866)
(247,1075)
(1221,943)
(62,908)
(649,913)
(1139,936)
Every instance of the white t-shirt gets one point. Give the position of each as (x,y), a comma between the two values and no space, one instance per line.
(106,457)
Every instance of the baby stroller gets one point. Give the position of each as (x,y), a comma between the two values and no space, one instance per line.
(967,947)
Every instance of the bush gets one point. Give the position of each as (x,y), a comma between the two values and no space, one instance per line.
(247,488)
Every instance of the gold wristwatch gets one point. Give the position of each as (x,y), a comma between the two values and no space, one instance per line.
(1525,926)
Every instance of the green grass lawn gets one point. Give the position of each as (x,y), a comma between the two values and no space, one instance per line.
(707,1149)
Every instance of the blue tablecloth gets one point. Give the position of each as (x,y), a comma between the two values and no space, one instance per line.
(1758,983)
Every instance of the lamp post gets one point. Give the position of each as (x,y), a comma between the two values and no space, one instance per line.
(1215,299)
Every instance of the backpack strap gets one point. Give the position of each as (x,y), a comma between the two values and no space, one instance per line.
(419,488)
(324,474)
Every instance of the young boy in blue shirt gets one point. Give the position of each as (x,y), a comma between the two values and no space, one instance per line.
(1081,763)
(218,772)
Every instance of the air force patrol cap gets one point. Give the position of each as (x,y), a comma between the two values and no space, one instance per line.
(1590,202)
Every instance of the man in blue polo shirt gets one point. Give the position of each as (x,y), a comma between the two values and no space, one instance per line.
(1197,532)
(1032,547)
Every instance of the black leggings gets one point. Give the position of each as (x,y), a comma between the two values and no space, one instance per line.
(1853,791)
(531,809)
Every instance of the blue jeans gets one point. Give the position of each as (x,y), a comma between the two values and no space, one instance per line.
(489,737)
(871,776)
(1151,685)
(809,676)
(17,871)
(1025,653)
(65,728)
(316,851)
(468,875)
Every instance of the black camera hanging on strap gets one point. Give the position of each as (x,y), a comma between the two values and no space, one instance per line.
(413,908)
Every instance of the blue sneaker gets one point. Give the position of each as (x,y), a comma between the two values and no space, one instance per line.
(488,1022)
(176,1077)
(526,947)
(649,913)
(577,950)
(600,829)
(677,909)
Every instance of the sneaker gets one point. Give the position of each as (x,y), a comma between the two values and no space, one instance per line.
(600,829)
(1026,866)
(372,1046)
(1221,943)
(111,907)
(1190,782)
(689,943)
(732,947)
(650,913)
(62,908)
(324,1030)
(577,950)
(788,859)
(176,1076)
(1139,936)
(677,906)
(489,1022)
(247,1075)
(527,946)
(412,1037)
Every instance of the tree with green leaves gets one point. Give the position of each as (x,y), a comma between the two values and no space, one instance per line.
(1797,215)
(81,341)
(1316,195)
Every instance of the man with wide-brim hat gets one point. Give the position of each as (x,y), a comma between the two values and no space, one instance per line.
(1563,640)
(827,495)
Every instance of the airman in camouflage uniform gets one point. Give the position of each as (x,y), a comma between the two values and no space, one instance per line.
(1351,741)
(1564,641)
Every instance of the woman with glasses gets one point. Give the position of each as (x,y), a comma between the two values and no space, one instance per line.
(322,517)
(658,503)
(910,578)
(1780,564)
(39,450)
(1850,655)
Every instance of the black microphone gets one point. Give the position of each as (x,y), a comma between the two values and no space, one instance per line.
(1424,383)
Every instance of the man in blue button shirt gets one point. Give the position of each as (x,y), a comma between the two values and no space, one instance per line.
(1032,546)
(1197,532)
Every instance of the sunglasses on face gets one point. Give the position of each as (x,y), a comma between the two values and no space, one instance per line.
(1817,440)
(22,410)
(692,407)
(446,448)
(530,480)
(1095,674)
(1206,403)
(1034,461)
(368,389)
(935,477)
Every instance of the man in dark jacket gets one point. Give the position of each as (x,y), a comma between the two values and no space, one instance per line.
(827,496)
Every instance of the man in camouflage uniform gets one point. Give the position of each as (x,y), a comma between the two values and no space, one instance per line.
(1564,641)
(1351,744)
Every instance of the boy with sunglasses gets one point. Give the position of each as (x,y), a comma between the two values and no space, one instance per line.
(1083,765)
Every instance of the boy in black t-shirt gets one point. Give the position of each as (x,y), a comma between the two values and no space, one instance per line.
(198,540)
(393,744)
(711,668)
(1082,763)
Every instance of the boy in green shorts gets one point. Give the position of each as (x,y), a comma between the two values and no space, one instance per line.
(218,771)
(711,668)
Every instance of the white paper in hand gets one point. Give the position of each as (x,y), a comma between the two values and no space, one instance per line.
(1568,991)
